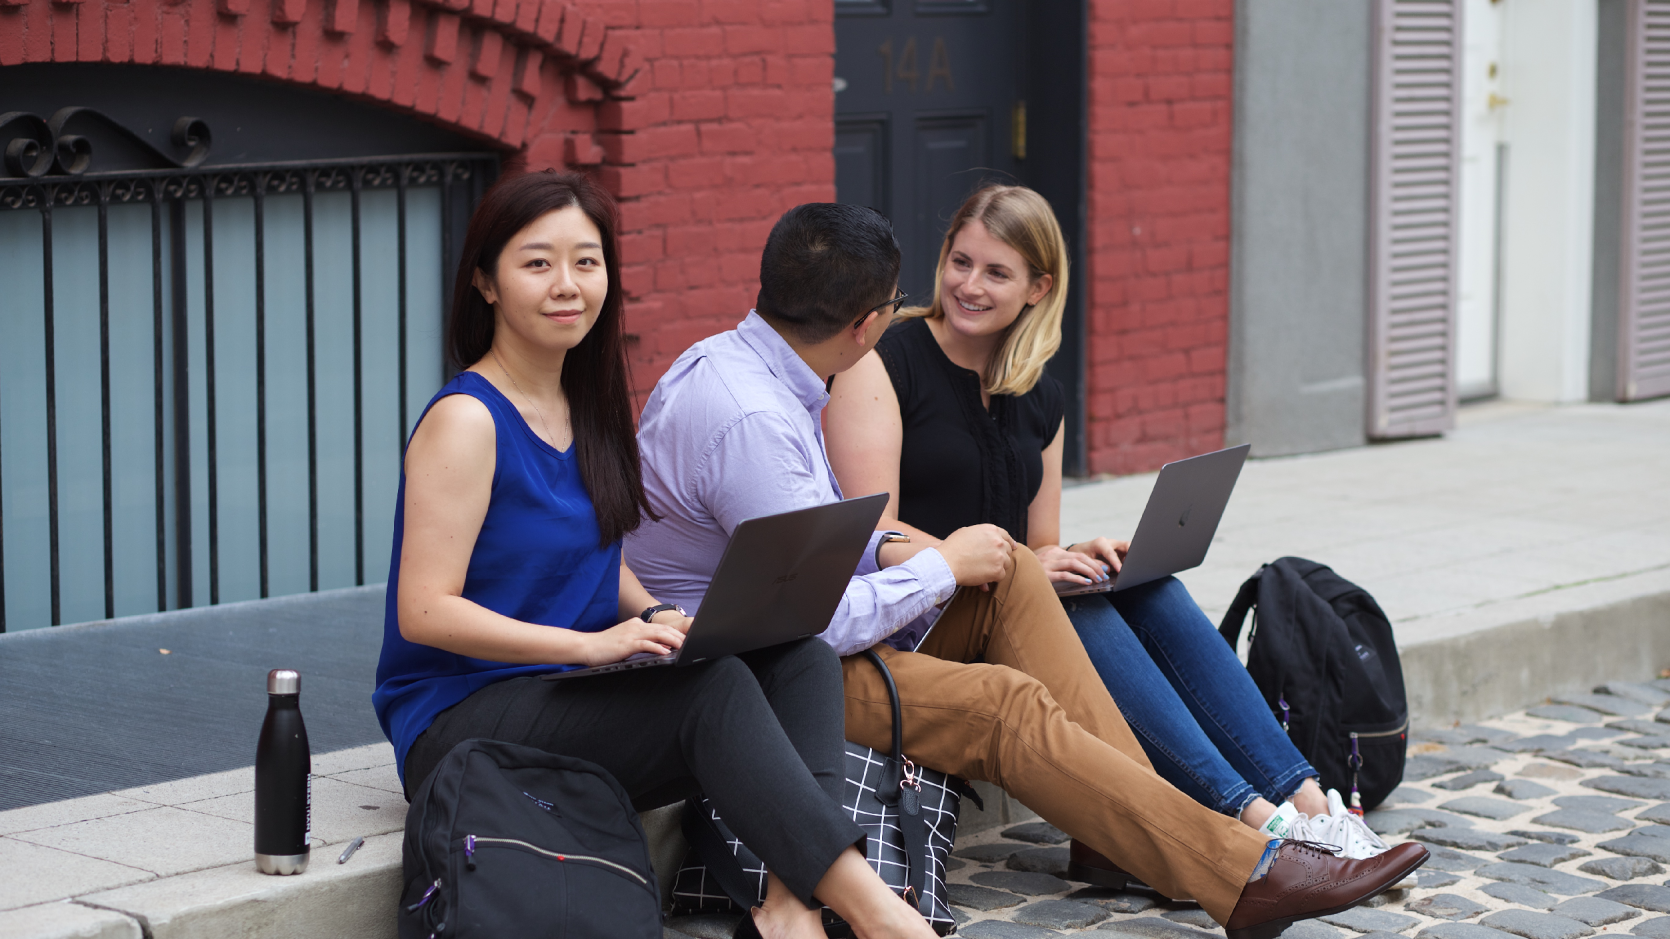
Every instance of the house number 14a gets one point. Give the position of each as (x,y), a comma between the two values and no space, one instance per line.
(905,67)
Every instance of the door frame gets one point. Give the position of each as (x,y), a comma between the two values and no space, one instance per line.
(1057,145)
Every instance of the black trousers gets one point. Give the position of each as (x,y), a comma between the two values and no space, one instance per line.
(760,734)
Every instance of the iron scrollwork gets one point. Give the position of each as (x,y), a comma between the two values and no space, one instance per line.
(45,190)
(33,147)
(29,144)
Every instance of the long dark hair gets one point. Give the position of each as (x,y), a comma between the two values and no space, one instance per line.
(595,375)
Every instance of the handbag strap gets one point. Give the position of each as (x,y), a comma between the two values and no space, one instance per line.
(892,699)
(913,825)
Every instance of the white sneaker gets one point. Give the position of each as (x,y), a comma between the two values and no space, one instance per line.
(1351,837)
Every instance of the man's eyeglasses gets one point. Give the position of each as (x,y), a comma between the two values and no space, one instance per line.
(883,307)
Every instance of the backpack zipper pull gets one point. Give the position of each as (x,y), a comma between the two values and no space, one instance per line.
(469,852)
(426,895)
(1281,700)
(1356,762)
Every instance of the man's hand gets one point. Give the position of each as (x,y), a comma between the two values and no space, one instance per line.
(632,637)
(979,554)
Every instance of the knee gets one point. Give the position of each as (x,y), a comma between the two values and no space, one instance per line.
(1164,594)
(1092,613)
(813,656)
(1017,697)
(1027,566)
(1027,574)
(724,678)
(1164,605)
(803,667)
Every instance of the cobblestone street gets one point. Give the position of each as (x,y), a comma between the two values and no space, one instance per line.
(1551,823)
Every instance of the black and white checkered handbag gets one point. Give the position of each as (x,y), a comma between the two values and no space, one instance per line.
(909,818)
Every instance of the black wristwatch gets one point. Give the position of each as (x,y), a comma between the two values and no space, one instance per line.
(661,608)
(891,537)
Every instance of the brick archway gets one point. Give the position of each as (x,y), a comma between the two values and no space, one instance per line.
(531,75)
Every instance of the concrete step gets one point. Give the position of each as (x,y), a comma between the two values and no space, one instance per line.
(174,859)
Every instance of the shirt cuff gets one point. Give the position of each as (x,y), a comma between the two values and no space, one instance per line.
(933,573)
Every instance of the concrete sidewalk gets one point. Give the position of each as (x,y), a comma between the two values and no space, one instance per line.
(1524,554)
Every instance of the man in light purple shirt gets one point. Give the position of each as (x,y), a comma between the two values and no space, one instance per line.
(744,406)
(1001,690)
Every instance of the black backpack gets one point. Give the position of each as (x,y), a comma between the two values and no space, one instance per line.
(1322,654)
(506,840)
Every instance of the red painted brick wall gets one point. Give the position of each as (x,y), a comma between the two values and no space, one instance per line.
(732,124)
(1158,252)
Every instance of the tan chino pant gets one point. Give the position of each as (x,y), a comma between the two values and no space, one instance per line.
(1003,691)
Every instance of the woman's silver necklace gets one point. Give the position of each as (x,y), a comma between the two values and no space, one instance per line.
(534,404)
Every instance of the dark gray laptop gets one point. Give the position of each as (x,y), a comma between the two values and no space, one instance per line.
(1177,526)
(780,579)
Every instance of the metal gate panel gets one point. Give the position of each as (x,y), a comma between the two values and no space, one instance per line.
(202,366)
(1415,214)
(1644,320)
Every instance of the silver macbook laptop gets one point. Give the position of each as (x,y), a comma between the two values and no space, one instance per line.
(1178,524)
(780,579)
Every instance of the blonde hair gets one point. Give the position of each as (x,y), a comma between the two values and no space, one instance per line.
(1023,220)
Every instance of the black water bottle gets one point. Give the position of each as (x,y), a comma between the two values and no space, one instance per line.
(283,780)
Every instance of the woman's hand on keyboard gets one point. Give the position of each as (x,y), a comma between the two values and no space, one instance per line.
(630,638)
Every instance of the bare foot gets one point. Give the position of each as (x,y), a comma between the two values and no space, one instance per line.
(1257,812)
(1311,800)
(783,916)
(896,920)
(857,895)
(788,921)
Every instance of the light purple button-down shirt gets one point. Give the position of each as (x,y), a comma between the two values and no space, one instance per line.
(733,431)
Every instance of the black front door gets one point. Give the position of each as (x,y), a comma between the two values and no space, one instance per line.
(932,102)
(925,113)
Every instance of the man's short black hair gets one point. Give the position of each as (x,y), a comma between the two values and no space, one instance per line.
(824,265)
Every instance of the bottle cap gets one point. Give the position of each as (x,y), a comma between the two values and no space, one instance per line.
(284,681)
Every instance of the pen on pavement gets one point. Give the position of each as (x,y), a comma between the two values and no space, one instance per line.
(348,852)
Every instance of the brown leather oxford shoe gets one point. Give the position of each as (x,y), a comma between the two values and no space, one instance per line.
(1087,865)
(1306,880)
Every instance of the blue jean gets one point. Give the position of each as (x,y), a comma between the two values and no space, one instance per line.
(1200,718)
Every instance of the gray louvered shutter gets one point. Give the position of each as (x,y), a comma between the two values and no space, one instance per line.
(1413,241)
(1644,320)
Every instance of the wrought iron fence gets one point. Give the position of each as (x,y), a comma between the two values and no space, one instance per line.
(186,419)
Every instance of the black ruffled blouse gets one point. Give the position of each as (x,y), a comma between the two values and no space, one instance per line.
(961,464)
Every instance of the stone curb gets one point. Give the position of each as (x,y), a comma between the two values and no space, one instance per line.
(351,901)
(1557,643)
(330,901)
(67,919)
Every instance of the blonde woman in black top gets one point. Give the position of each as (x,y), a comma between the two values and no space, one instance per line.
(954,416)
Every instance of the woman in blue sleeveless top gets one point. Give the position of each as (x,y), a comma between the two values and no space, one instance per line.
(520,480)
